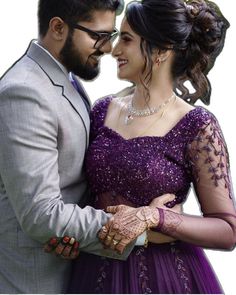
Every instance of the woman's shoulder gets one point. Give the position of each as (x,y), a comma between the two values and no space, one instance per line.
(102,102)
(114,100)
(200,117)
(194,119)
(196,115)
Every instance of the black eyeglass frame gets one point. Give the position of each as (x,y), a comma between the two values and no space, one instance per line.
(105,36)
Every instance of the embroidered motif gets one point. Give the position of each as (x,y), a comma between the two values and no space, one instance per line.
(209,148)
(102,276)
(181,269)
(142,271)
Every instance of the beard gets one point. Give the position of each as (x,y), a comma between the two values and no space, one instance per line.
(72,59)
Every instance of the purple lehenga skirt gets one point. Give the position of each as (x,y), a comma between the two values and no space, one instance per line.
(171,268)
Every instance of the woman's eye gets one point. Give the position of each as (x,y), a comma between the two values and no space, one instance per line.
(125,39)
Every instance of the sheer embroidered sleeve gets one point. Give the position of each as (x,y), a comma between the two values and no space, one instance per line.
(209,165)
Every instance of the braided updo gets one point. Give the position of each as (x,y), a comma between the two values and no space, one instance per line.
(195,30)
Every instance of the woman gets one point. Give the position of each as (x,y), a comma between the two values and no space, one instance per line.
(153,141)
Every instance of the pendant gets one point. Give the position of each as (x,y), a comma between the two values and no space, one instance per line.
(128,119)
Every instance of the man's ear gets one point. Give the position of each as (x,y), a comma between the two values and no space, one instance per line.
(58,28)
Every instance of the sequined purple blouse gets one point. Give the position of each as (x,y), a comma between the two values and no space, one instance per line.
(142,168)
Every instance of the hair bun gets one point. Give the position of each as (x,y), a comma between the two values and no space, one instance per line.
(209,25)
(192,11)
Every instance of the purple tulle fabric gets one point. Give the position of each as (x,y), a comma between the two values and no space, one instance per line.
(134,172)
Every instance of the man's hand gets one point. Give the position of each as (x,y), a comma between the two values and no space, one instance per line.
(66,247)
(126,225)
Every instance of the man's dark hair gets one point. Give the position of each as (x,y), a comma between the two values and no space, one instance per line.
(72,11)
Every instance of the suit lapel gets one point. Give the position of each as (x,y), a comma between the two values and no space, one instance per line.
(59,79)
(82,91)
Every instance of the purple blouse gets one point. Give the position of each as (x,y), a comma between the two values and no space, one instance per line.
(142,168)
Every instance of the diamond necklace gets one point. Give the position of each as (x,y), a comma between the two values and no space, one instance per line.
(133,112)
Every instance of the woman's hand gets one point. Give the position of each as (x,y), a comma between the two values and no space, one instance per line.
(66,247)
(158,237)
(128,223)
(161,202)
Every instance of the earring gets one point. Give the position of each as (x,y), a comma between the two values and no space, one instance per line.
(158,62)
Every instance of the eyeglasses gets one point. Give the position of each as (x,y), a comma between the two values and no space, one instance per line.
(101,37)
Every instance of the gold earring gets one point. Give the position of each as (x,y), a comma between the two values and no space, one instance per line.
(158,62)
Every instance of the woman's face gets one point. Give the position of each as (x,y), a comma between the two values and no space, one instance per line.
(130,60)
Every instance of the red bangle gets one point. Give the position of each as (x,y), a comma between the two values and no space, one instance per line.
(161,220)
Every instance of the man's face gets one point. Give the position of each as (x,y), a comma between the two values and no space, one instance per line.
(78,54)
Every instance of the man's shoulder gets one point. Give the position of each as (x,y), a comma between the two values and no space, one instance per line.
(20,72)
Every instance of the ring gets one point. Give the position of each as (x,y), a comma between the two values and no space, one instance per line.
(115,242)
(72,240)
(65,240)
(108,238)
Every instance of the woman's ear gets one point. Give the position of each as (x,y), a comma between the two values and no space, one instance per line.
(160,57)
(164,55)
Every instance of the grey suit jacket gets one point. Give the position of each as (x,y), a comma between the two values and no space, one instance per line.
(44,134)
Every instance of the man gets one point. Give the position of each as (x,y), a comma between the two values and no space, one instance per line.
(44,131)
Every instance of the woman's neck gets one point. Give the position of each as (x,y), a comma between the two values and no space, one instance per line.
(159,93)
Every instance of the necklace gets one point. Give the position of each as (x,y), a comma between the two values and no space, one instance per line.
(133,112)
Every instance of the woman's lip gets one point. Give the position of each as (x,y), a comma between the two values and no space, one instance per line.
(122,63)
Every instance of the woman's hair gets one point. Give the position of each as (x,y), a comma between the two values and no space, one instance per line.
(73,10)
(194,30)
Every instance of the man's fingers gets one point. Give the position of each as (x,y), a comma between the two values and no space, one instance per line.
(51,245)
(59,249)
(66,251)
(65,246)
(74,254)
(47,248)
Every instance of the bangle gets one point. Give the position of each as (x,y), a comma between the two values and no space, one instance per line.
(161,220)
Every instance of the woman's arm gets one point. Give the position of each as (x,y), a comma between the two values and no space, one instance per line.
(208,159)
(159,238)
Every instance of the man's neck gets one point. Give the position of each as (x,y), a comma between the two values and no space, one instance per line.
(53,56)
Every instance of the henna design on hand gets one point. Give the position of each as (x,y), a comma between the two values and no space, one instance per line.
(131,222)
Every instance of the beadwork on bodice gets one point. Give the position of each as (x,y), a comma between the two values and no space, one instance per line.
(142,168)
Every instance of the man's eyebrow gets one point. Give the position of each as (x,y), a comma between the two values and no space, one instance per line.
(103,31)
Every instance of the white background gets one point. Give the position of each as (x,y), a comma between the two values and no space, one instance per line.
(18,25)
